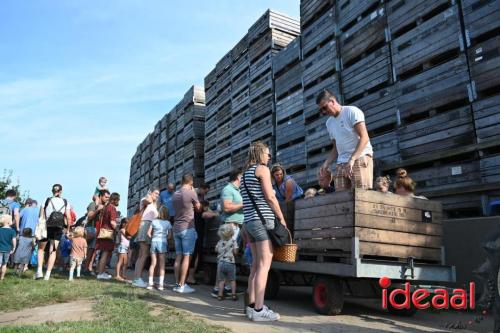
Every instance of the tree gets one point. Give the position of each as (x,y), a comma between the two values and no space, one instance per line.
(6,183)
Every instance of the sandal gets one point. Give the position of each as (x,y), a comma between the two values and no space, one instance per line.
(220,298)
(234,297)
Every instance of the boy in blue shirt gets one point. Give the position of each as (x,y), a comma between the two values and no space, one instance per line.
(7,242)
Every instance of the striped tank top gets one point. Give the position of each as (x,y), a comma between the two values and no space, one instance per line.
(255,189)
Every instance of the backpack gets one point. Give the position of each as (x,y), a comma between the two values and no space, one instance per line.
(56,218)
(5,208)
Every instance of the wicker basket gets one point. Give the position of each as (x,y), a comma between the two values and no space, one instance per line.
(287,252)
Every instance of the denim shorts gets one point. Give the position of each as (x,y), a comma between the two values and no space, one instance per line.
(226,271)
(185,241)
(158,246)
(4,258)
(122,249)
(256,231)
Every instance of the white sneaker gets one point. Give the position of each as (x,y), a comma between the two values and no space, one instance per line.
(103,276)
(265,315)
(139,283)
(38,276)
(249,312)
(70,279)
(160,288)
(185,289)
(149,287)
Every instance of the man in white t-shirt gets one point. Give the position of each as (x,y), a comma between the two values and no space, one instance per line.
(53,204)
(352,150)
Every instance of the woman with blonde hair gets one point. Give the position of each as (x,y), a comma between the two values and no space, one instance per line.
(259,201)
(405,185)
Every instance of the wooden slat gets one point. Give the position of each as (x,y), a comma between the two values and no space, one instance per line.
(328,211)
(397,200)
(331,198)
(398,238)
(307,223)
(342,244)
(399,251)
(383,210)
(324,233)
(394,224)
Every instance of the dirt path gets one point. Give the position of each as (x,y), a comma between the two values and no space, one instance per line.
(79,310)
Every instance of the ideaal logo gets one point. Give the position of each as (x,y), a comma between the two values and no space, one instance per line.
(421,298)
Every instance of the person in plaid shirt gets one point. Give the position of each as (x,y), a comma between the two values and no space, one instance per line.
(352,150)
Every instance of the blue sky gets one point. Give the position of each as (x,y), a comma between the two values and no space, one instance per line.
(83,82)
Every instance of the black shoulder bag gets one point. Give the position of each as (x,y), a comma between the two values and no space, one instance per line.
(278,235)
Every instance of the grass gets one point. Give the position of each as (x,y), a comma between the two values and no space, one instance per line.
(118,307)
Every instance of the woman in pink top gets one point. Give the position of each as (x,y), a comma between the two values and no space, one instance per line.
(150,212)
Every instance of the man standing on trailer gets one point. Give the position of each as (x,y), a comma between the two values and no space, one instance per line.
(352,150)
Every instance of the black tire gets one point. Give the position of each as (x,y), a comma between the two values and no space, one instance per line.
(272,285)
(209,274)
(328,295)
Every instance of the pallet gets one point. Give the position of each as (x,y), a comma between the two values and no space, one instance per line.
(433,41)
(240,100)
(163,152)
(319,32)
(262,46)
(210,173)
(224,96)
(314,161)
(451,129)
(211,124)
(261,85)
(240,49)
(287,57)
(261,128)
(484,64)
(292,156)
(241,119)
(370,74)
(240,68)
(380,110)
(194,149)
(224,113)
(317,136)
(290,131)
(194,165)
(241,138)
(386,148)
(262,106)
(490,169)
(288,82)
(310,107)
(487,118)
(364,221)
(275,21)
(194,130)
(210,141)
(310,10)
(438,87)
(223,131)
(352,11)
(289,106)
(239,159)
(321,64)
(223,167)
(163,136)
(364,37)
(480,17)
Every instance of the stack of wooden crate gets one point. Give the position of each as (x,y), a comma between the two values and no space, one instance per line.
(320,71)
(290,126)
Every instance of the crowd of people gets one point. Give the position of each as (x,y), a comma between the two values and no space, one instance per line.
(174,220)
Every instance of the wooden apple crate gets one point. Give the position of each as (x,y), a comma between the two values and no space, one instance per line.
(369,225)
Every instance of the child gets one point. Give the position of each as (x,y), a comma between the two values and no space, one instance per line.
(158,231)
(310,193)
(226,269)
(382,184)
(123,247)
(65,251)
(101,186)
(7,242)
(22,256)
(78,252)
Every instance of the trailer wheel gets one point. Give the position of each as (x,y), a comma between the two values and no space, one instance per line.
(272,285)
(209,274)
(328,295)
(401,312)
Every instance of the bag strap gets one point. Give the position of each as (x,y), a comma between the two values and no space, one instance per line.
(262,219)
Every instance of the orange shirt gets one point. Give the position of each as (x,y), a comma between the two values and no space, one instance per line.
(78,247)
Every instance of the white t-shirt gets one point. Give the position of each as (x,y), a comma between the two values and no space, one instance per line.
(341,129)
(58,205)
(151,211)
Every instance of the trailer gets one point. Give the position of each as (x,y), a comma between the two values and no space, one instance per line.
(347,241)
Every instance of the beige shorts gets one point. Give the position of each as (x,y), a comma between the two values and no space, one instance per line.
(362,175)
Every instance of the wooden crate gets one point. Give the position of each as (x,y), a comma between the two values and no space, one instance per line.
(370,74)
(240,119)
(434,89)
(451,129)
(210,173)
(293,156)
(211,124)
(240,49)
(223,167)
(261,85)
(194,130)
(224,96)
(194,149)
(386,148)
(194,112)
(240,69)
(288,82)
(480,17)
(380,110)
(240,100)
(319,32)
(321,64)
(239,159)
(163,167)
(364,37)
(490,169)
(261,46)
(261,128)
(163,152)
(370,224)
(353,11)
(314,161)
(484,64)
(290,130)
(275,21)
(262,106)
(210,79)
(211,141)
(310,10)
(163,136)
(289,106)
(310,107)
(223,131)
(224,148)
(241,138)
(194,165)
(224,113)
(287,57)
(487,118)
(223,64)
(436,40)
(300,176)
(317,136)
(261,65)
